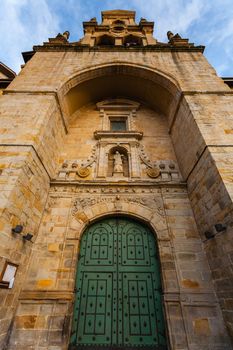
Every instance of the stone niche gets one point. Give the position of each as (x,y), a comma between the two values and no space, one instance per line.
(118,140)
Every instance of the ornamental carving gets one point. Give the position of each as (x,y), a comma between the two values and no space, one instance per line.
(149,202)
(161,170)
(83,172)
(74,169)
(153,172)
(63,190)
(119,159)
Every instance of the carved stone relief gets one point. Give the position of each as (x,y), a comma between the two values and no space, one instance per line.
(162,170)
(74,169)
(64,190)
(147,201)
(104,162)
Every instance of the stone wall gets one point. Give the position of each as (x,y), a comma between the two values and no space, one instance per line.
(191,70)
(30,136)
(24,189)
(34,122)
(193,315)
(205,124)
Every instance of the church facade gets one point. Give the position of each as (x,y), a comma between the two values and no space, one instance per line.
(116,194)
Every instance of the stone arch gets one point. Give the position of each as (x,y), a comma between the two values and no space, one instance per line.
(82,217)
(132,40)
(159,89)
(117,66)
(105,40)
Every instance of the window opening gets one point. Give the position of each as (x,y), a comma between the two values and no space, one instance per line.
(118,124)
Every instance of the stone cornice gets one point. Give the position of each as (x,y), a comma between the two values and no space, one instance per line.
(27,55)
(86,48)
(104,183)
(102,134)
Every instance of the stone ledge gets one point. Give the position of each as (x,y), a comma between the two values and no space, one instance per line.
(119,134)
(150,183)
(46,295)
(72,47)
(202,297)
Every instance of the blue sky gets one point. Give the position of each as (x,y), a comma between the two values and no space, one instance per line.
(24,23)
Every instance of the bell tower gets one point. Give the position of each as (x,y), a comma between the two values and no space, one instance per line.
(118,28)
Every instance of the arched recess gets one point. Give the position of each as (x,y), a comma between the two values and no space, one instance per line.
(105,40)
(125,160)
(132,40)
(118,301)
(160,90)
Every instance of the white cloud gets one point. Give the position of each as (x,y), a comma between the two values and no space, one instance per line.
(30,22)
(24,24)
(176,16)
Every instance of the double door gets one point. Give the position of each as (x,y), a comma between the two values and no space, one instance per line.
(118,289)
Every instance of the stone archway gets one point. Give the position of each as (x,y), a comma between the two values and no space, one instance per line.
(158,89)
(118,288)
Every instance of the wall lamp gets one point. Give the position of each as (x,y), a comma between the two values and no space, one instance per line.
(220,227)
(27,237)
(17,229)
(209,234)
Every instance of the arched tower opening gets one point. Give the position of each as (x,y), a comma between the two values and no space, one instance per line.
(105,40)
(132,40)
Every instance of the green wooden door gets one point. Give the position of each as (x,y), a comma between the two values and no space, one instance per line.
(118,289)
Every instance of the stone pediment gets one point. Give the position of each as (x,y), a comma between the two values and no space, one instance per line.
(117,103)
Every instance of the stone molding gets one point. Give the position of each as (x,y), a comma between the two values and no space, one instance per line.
(157,48)
(147,201)
(122,67)
(58,187)
(86,210)
(104,134)
(46,295)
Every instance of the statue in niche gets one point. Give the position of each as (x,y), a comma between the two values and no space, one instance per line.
(118,162)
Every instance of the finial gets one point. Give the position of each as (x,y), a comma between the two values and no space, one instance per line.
(66,34)
(170,35)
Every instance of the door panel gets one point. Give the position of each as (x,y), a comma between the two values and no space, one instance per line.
(118,290)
